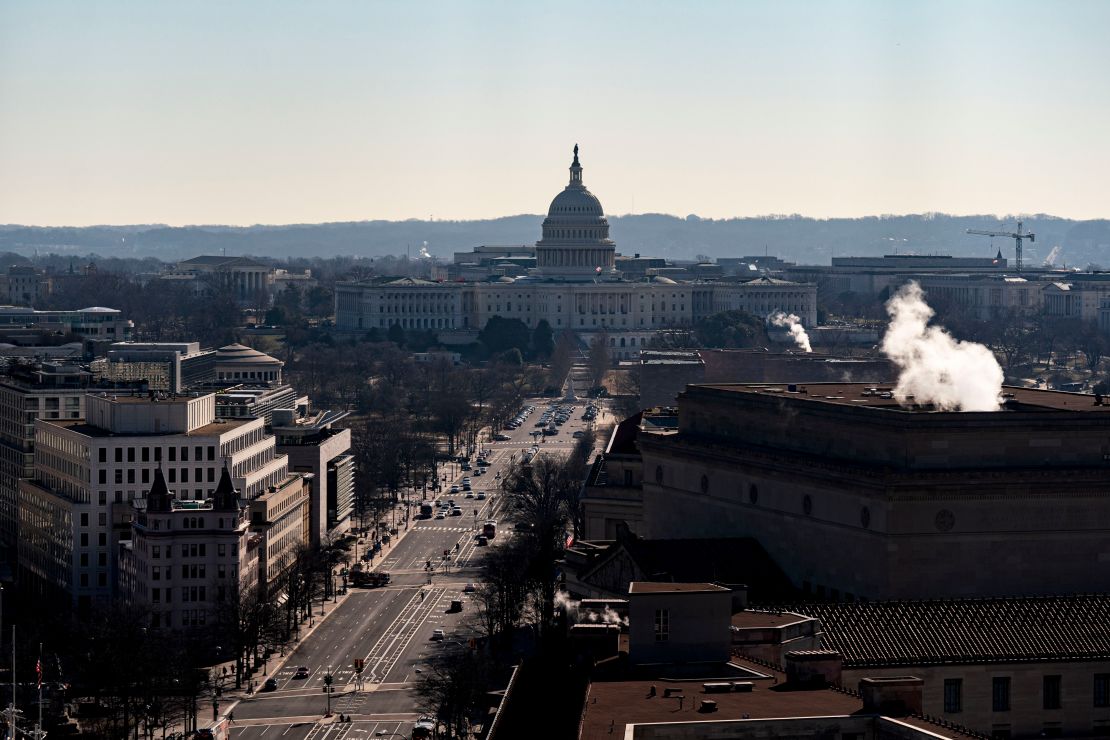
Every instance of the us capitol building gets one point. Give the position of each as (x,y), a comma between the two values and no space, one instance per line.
(575,285)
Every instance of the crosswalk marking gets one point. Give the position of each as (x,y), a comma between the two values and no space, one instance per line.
(444,529)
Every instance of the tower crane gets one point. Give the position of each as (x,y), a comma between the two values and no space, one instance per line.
(1017,236)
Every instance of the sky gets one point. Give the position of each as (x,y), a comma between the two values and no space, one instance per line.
(302,112)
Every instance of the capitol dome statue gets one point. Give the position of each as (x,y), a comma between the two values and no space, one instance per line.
(575,241)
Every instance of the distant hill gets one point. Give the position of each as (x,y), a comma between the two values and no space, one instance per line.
(796,238)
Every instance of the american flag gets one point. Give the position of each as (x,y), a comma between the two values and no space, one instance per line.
(38,671)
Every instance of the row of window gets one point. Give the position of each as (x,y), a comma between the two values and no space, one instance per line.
(171,454)
(145,476)
(189,550)
(1051,686)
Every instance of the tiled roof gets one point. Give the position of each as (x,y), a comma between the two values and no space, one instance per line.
(966,631)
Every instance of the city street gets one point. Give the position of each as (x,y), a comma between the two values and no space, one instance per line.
(391,628)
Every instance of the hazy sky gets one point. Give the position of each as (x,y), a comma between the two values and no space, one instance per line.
(280,112)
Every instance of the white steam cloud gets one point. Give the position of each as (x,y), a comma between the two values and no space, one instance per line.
(579,616)
(794,324)
(424,253)
(1050,260)
(935,367)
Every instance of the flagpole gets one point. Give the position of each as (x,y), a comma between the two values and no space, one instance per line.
(13,685)
(38,670)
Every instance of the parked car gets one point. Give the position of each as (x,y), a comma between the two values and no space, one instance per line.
(270,684)
(469,588)
(438,635)
(500,437)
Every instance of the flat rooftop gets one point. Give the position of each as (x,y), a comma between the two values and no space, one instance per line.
(208,430)
(748,619)
(880,396)
(613,705)
(655,587)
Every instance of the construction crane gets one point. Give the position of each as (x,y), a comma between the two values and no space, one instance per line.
(1017,236)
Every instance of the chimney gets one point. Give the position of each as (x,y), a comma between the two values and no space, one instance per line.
(896,696)
(813,667)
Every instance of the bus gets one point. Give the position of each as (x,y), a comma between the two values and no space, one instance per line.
(425,511)
(489,529)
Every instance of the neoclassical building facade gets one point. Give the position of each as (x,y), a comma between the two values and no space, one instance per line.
(575,285)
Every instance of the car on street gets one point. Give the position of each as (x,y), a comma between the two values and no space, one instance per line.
(438,635)
(424,728)
(578,434)
(270,684)
(482,540)
(469,494)
(456,511)
(481,496)
(466,487)
(468,588)
(440,515)
(302,672)
(484,463)
(500,437)
(454,489)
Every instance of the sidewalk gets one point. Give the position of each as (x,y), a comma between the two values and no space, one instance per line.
(231,698)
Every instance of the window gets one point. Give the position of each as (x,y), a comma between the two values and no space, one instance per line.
(221,550)
(130,454)
(184,454)
(662,625)
(1102,689)
(103,454)
(119,476)
(1000,693)
(146,454)
(172,451)
(119,454)
(102,477)
(1052,692)
(84,519)
(211,452)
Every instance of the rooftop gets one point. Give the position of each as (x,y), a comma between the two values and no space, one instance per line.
(913,633)
(613,705)
(870,395)
(750,619)
(81,426)
(653,587)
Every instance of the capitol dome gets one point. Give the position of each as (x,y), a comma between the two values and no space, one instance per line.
(575,241)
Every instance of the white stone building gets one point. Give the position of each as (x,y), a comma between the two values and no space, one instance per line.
(77,507)
(574,286)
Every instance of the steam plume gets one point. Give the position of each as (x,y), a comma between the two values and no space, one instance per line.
(424,253)
(576,615)
(794,324)
(935,367)
(1050,260)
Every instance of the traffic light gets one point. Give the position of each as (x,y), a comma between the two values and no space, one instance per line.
(327,679)
(359,665)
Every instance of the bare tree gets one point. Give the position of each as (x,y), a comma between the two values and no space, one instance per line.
(599,359)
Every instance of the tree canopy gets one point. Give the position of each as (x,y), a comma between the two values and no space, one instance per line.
(731,330)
